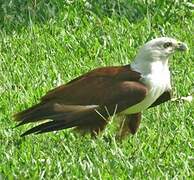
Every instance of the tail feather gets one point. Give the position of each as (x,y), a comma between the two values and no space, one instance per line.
(35,113)
(52,126)
(55,116)
(59,116)
(53,111)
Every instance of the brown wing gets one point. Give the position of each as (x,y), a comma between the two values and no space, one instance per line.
(86,102)
(87,88)
(166,96)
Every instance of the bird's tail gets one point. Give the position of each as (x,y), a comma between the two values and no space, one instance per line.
(35,113)
(59,117)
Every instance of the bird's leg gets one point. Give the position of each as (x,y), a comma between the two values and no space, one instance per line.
(129,124)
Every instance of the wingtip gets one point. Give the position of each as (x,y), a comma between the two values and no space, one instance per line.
(25,134)
(22,135)
(18,125)
(17,116)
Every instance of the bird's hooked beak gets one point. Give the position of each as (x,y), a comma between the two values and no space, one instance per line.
(181,46)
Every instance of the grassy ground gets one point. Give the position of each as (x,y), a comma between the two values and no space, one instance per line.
(46,43)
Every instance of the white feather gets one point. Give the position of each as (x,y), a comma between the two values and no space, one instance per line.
(152,63)
(157,83)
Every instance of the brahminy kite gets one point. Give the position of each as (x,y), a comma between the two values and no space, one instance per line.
(86,103)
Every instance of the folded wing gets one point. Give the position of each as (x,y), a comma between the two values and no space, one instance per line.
(86,102)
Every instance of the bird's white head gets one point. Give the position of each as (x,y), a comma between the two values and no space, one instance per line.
(160,48)
(157,50)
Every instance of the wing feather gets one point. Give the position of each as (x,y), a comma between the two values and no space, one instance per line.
(76,104)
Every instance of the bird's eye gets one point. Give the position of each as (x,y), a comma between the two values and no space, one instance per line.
(167,44)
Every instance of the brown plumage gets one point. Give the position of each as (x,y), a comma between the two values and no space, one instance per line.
(87,102)
(77,104)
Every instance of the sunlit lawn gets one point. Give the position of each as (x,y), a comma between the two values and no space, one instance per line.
(43,45)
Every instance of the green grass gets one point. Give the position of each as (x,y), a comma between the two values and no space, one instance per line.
(46,43)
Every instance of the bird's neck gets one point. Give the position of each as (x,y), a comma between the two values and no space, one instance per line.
(147,67)
(153,73)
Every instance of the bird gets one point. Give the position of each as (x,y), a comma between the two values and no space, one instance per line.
(87,103)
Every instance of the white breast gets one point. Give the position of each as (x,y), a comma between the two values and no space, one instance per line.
(156,83)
